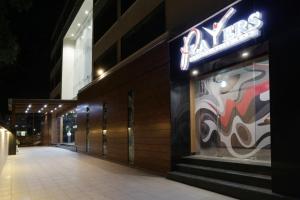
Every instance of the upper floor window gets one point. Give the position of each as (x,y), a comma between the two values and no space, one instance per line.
(144,32)
(105,16)
(125,4)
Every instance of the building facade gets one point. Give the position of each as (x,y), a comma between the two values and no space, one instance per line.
(189,90)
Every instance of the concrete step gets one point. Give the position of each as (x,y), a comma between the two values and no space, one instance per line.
(229,165)
(225,174)
(237,190)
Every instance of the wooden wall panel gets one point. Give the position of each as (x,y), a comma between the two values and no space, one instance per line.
(148,77)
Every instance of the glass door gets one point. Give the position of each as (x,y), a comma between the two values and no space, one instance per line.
(232,112)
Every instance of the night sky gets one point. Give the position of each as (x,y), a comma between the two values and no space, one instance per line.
(29,76)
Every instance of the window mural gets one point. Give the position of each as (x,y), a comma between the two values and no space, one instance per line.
(233,113)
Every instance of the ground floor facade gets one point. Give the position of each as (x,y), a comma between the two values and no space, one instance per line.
(215,101)
(154,111)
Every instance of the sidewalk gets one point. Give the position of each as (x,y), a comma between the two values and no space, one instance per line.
(43,173)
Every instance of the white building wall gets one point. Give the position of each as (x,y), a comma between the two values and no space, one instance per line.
(68,69)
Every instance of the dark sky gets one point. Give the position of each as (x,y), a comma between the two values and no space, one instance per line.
(29,77)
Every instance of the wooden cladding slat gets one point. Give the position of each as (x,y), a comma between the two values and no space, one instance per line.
(148,77)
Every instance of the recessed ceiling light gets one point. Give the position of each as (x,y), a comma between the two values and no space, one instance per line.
(55,108)
(39,111)
(245,54)
(45,106)
(86,12)
(59,105)
(51,111)
(78,24)
(195,72)
(29,106)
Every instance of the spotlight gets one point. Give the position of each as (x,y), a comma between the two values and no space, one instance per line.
(245,54)
(195,72)
(100,72)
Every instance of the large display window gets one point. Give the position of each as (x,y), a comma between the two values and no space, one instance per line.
(230,112)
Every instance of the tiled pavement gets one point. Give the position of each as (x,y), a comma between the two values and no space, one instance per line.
(42,173)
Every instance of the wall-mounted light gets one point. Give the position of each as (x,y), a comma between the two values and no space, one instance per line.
(100,72)
(195,72)
(245,54)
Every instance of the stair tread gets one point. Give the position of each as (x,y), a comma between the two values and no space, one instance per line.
(267,165)
(223,182)
(234,172)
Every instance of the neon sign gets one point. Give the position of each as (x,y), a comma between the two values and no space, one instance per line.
(196,47)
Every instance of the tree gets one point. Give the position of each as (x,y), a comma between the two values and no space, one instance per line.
(9,47)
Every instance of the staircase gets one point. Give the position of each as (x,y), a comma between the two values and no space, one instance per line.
(239,180)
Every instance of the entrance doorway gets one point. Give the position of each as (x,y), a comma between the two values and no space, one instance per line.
(230,113)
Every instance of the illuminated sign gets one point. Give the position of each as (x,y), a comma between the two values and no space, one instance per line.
(196,47)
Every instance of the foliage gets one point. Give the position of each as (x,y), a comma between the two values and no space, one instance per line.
(9,47)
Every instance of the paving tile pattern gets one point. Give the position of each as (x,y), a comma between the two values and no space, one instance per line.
(44,173)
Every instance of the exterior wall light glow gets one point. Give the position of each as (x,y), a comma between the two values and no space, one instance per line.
(100,72)
(245,54)
(195,72)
